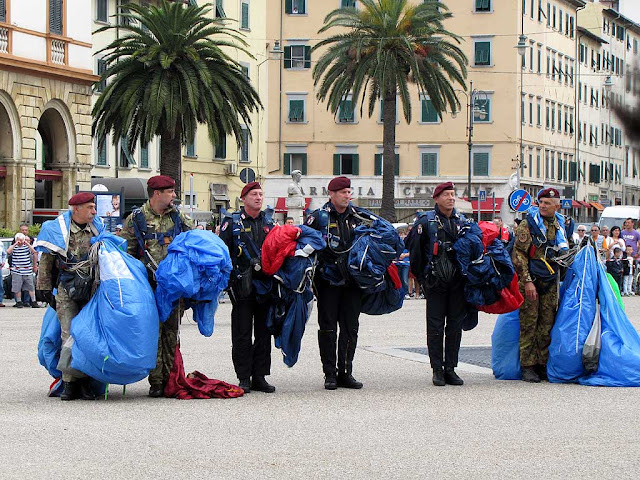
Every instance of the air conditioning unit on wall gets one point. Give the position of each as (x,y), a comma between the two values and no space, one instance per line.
(231,169)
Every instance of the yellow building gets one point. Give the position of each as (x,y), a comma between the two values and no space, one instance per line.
(45,106)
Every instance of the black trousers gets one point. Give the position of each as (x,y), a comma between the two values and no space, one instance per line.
(337,307)
(446,310)
(251,356)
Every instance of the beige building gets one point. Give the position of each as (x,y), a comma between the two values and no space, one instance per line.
(45,106)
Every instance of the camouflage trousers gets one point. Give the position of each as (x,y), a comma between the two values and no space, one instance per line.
(167,341)
(67,309)
(536,321)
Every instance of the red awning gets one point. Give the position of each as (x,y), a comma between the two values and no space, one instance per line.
(585,204)
(575,204)
(281,204)
(487,205)
(598,206)
(3,172)
(48,175)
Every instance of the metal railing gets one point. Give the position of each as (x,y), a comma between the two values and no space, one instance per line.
(58,51)
(4,40)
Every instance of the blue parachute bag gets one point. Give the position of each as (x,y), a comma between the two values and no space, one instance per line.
(505,347)
(116,333)
(197,267)
(50,343)
(574,319)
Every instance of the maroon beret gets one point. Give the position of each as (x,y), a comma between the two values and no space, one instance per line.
(442,187)
(339,183)
(548,193)
(160,182)
(250,186)
(82,197)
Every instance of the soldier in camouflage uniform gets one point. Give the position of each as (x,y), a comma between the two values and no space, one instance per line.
(52,273)
(149,231)
(537,276)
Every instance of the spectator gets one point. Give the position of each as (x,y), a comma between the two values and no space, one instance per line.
(24,229)
(289,221)
(505,235)
(118,229)
(3,260)
(402,263)
(598,240)
(24,263)
(631,236)
(579,235)
(627,280)
(613,240)
(615,266)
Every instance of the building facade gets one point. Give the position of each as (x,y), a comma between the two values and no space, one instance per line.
(45,105)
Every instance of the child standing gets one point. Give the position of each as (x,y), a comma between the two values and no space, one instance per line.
(627,272)
(615,266)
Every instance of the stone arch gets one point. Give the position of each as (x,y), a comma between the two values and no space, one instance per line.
(10,130)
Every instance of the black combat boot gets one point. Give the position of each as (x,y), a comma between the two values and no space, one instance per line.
(156,390)
(86,392)
(451,377)
(529,375)
(330,382)
(438,377)
(245,384)
(346,380)
(541,370)
(70,391)
(35,305)
(260,384)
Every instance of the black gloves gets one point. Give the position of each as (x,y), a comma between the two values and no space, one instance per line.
(46,296)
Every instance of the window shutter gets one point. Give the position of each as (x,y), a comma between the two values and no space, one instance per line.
(102,151)
(288,6)
(124,148)
(377,164)
(102,67)
(55,16)
(287,57)
(304,163)
(296,110)
(144,156)
(356,164)
(101,14)
(3,11)
(481,164)
(286,168)
(307,56)
(429,164)
(245,15)
(572,171)
(336,164)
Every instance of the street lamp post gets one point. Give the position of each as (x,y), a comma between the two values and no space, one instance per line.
(522,50)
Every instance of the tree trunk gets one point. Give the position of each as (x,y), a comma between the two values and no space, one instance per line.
(388,209)
(171,159)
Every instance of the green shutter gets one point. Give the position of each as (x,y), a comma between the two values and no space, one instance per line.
(377,164)
(101,10)
(483,53)
(296,110)
(245,15)
(356,164)
(307,56)
(573,171)
(124,148)
(304,163)
(55,17)
(3,11)
(336,164)
(102,150)
(288,6)
(430,164)
(286,168)
(144,156)
(396,165)
(220,150)
(429,114)
(287,57)
(481,164)
(346,111)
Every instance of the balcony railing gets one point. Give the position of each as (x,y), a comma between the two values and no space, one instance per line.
(58,50)
(4,40)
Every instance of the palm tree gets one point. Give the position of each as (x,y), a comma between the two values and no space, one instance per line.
(166,74)
(384,45)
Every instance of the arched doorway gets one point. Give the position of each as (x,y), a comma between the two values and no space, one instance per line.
(10,154)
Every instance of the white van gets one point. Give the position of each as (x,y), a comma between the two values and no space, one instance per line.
(618,214)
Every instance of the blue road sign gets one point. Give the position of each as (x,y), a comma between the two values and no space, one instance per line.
(482,195)
(566,203)
(520,200)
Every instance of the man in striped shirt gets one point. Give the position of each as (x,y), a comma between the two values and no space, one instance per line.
(24,263)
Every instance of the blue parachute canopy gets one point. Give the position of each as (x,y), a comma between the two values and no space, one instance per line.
(197,267)
(584,289)
(50,343)
(505,347)
(116,333)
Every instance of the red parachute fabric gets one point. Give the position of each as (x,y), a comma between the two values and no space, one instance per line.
(510,299)
(490,232)
(196,384)
(392,271)
(279,244)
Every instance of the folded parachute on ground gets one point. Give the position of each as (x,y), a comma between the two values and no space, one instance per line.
(289,295)
(505,347)
(584,287)
(116,334)
(197,268)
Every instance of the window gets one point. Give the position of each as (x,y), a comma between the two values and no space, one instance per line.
(101,157)
(573,171)
(483,5)
(348,3)
(220,9)
(547,116)
(531,55)
(295,7)
(481,164)
(380,119)
(125,159)
(560,20)
(55,16)
(102,10)
(244,149)
(378,164)
(429,114)
(144,155)
(101,68)
(482,110)
(296,111)
(346,112)
(244,22)
(346,164)
(538,161)
(539,112)
(594,173)
(190,149)
(540,11)
(245,70)
(522,110)
(429,164)
(295,161)
(220,149)
(531,110)
(297,56)
(124,20)
(539,59)
(553,116)
(190,199)
(482,52)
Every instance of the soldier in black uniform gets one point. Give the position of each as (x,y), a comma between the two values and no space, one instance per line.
(244,232)
(433,262)
(339,299)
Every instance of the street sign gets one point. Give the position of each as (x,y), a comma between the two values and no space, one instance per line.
(520,200)
(566,203)
(482,195)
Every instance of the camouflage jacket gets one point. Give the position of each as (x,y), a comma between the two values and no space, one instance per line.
(156,223)
(79,244)
(522,246)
